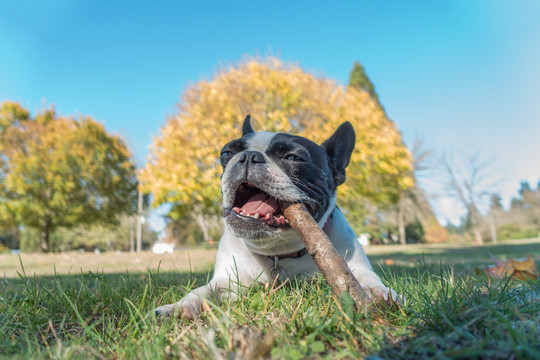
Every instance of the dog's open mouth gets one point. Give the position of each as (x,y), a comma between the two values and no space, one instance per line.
(252,202)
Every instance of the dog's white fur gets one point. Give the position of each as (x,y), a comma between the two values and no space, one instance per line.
(245,261)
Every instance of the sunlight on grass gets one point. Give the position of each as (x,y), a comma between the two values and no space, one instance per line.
(450,313)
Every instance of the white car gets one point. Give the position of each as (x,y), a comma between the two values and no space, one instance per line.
(162,248)
(363,239)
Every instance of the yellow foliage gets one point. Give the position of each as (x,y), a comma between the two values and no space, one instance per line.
(435,233)
(60,171)
(183,167)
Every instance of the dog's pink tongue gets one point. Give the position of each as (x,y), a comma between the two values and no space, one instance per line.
(262,204)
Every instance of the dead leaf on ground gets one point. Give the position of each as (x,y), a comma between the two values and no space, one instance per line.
(250,343)
(522,269)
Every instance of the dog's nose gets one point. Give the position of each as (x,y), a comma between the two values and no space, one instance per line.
(252,157)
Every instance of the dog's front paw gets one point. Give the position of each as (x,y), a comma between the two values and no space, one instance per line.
(165,310)
(387,295)
(178,310)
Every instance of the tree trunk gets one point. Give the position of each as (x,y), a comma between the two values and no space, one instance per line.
(139,221)
(478,240)
(45,237)
(132,234)
(201,221)
(476,220)
(493,230)
(401,224)
(538,223)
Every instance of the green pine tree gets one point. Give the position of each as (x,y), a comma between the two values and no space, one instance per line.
(359,80)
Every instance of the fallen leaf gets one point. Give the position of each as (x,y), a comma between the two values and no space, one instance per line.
(251,342)
(522,269)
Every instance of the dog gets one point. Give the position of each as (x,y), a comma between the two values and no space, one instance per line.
(261,170)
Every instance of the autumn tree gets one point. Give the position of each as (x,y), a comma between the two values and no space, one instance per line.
(184,170)
(9,231)
(412,205)
(60,171)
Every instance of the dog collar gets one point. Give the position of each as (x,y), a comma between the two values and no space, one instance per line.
(295,254)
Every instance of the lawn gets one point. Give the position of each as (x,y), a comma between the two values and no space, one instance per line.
(103,311)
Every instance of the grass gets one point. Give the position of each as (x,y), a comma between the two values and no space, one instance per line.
(198,259)
(451,313)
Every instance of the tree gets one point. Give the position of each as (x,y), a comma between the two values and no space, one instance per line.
(412,205)
(105,237)
(185,231)
(470,184)
(528,202)
(184,169)
(359,80)
(531,201)
(60,171)
(9,231)
(495,213)
(88,237)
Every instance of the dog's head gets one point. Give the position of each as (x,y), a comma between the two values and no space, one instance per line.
(261,170)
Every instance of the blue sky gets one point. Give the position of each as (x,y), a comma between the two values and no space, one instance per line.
(462,75)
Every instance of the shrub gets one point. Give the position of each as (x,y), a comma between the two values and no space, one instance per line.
(517,231)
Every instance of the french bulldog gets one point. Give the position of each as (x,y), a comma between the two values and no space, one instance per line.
(261,170)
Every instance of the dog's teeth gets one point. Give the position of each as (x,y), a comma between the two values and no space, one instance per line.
(256,215)
(267,217)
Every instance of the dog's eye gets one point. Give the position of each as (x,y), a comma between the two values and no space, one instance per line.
(226,153)
(292,157)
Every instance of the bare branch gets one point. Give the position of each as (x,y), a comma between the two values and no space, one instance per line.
(423,158)
(469,181)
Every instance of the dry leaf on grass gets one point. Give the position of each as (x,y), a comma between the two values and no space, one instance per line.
(522,269)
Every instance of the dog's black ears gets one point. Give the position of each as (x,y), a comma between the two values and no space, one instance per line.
(246,128)
(339,148)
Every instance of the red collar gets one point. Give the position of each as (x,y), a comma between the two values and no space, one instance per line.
(326,226)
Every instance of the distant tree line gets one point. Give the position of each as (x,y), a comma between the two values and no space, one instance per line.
(520,221)
(65,183)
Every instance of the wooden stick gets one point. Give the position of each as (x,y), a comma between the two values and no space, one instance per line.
(334,269)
